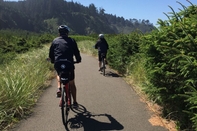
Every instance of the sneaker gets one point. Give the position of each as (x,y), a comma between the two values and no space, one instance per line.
(75,104)
(58,93)
(60,104)
(101,69)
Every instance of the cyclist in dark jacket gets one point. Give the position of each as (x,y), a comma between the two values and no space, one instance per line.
(102,47)
(64,48)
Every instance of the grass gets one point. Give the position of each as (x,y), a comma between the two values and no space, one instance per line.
(87,47)
(20,83)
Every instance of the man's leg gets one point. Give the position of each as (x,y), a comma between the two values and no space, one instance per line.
(106,59)
(58,87)
(73,87)
(73,90)
(99,65)
(58,81)
(100,60)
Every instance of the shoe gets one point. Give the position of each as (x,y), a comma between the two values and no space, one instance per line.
(106,62)
(60,104)
(75,104)
(100,69)
(58,95)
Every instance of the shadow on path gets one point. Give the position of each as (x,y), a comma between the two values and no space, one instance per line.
(85,120)
(111,74)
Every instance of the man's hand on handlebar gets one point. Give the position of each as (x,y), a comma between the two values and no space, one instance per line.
(78,61)
(48,59)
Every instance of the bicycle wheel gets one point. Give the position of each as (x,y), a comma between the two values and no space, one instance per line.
(64,109)
(103,61)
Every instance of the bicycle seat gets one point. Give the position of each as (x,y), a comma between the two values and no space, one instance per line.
(63,65)
(64,77)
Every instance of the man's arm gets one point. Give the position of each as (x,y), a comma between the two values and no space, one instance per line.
(51,53)
(76,52)
(96,45)
(107,45)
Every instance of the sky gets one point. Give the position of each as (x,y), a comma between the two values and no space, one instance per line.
(151,10)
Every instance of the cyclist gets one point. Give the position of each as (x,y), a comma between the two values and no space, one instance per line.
(102,47)
(64,47)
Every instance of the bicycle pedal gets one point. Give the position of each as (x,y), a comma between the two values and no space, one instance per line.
(68,107)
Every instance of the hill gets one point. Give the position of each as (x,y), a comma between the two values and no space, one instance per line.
(46,15)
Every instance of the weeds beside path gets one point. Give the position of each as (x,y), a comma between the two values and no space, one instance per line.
(21,81)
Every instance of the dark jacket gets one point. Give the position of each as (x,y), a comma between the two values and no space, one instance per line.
(102,45)
(64,47)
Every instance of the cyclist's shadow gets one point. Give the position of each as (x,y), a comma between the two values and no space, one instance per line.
(84,120)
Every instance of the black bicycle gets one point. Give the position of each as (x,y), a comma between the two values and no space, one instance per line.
(103,67)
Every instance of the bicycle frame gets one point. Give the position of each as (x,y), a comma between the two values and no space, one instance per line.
(65,98)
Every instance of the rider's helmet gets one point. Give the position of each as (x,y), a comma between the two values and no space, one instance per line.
(101,36)
(63,29)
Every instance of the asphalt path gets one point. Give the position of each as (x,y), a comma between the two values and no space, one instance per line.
(106,103)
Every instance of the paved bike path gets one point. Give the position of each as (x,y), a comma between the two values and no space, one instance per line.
(105,104)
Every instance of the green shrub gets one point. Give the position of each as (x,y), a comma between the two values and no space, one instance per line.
(122,48)
(15,42)
(171,55)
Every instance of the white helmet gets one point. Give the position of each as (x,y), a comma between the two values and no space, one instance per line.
(101,36)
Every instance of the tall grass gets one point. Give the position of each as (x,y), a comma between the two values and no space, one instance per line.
(136,73)
(20,81)
(87,46)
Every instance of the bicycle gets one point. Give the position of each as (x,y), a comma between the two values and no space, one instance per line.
(103,67)
(66,98)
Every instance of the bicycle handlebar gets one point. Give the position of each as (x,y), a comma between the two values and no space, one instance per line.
(74,62)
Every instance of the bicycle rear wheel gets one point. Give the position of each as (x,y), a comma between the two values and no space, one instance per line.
(64,107)
(103,63)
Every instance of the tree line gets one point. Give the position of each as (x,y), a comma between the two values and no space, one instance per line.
(46,15)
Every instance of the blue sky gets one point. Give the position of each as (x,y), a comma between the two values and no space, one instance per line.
(151,10)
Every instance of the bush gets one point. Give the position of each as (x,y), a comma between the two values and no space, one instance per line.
(171,66)
(122,48)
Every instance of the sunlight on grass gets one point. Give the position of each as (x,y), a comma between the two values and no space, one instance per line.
(136,74)
(20,81)
(87,47)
